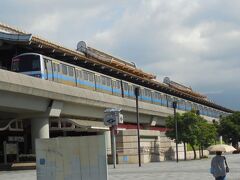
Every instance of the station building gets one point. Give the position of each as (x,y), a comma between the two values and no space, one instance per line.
(110,77)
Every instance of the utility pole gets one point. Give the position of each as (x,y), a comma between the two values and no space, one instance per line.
(113,146)
(136,90)
(176,128)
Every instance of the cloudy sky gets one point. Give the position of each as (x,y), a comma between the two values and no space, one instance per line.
(193,42)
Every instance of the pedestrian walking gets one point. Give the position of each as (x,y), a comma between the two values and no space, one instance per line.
(219,166)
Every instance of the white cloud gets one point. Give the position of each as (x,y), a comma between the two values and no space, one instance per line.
(51,22)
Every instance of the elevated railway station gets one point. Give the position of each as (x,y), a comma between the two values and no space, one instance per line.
(55,91)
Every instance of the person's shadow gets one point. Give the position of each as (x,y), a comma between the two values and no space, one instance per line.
(169,154)
(155,152)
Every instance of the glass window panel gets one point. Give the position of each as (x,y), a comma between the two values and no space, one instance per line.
(70,71)
(64,69)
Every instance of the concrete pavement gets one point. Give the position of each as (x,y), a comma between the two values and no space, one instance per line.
(170,170)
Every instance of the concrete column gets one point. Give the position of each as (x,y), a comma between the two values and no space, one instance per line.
(39,129)
(108,142)
(220,139)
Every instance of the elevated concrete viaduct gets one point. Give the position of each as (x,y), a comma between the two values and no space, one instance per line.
(41,102)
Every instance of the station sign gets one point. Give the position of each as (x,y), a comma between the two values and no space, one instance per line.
(113,117)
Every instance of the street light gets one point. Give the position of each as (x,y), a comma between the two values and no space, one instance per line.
(136,91)
(176,127)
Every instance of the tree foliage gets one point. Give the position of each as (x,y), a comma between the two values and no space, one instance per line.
(192,129)
(229,128)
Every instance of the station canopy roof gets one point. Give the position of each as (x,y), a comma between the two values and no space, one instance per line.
(120,70)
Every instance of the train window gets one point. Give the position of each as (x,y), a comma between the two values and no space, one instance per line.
(70,70)
(77,73)
(91,76)
(35,64)
(147,92)
(205,110)
(130,89)
(209,112)
(134,87)
(194,106)
(188,106)
(103,80)
(125,86)
(108,81)
(64,69)
(118,84)
(80,74)
(200,108)
(85,75)
(141,91)
(26,63)
(58,67)
(98,79)
(170,101)
(115,84)
(54,67)
(181,104)
(157,97)
(164,99)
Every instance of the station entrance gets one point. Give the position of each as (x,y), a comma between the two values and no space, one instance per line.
(16,143)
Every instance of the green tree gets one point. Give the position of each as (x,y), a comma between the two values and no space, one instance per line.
(187,129)
(192,129)
(206,134)
(229,128)
(170,125)
(171,129)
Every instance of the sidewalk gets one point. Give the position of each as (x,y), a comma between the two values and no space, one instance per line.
(170,170)
(183,170)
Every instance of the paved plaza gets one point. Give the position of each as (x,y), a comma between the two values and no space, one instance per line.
(170,170)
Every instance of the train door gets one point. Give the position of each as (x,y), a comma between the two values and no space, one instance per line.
(48,69)
(55,71)
(80,80)
(164,100)
(64,73)
(125,89)
(71,76)
(116,87)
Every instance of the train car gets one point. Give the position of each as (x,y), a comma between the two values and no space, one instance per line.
(30,64)
(125,89)
(181,104)
(103,84)
(170,100)
(146,94)
(85,79)
(44,67)
(131,91)
(157,98)
(67,75)
(188,106)
(116,87)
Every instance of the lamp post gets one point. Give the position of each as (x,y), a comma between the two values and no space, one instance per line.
(136,91)
(176,128)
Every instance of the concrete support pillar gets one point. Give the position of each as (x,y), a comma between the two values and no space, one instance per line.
(108,142)
(220,139)
(39,129)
